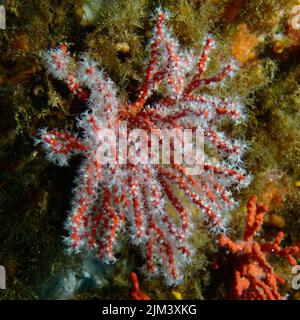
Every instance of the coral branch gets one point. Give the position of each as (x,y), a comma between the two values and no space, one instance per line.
(255,277)
(137,293)
(60,145)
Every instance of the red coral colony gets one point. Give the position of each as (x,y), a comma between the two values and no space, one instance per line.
(132,195)
(111,195)
(255,278)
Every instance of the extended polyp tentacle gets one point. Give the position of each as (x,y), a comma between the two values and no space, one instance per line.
(152,121)
(227,70)
(165,241)
(153,188)
(166,251)
(84,197)
(175,69)
(201,66)
(203,189)
(150,244)
(173,117)
(223,144)
(184,218)
(138,220)
(220,170)
(209,215)
(60,145)
(58,63)
(156,205)
(106,219)
(223,107)
(103,97)
(95,222)
(213,192)
(223,193)
(111,223)
(147,85)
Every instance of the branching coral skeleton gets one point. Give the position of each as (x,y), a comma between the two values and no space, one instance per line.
(255,278)
(111,197)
